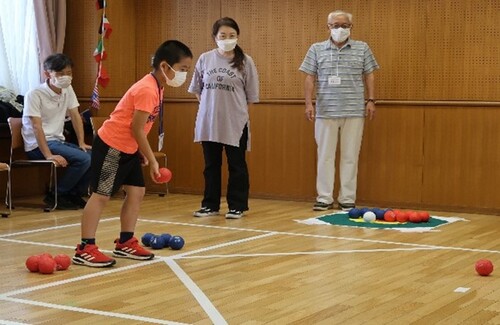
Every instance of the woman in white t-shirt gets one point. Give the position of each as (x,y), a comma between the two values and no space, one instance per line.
(225,81)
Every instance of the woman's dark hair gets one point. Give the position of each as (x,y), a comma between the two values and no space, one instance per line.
(57,62)
(239,56)
(171,51)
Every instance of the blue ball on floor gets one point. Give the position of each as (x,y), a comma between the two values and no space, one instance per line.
(166,239)
(146,238)
(157,242)
(354,213)
(176,242)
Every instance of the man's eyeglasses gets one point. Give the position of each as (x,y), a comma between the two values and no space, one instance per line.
(334,26)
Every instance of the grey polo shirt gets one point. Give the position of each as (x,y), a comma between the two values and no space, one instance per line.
(339,77)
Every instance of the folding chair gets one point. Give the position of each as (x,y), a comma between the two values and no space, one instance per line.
(98,121)
(8,201)
(17,146)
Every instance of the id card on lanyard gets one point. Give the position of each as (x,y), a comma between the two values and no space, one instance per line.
(161,134)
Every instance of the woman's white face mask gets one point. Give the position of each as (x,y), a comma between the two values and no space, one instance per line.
(227,44)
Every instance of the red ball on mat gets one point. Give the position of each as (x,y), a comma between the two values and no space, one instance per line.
(414,217)
(401,216)
(390,216)
(424,215)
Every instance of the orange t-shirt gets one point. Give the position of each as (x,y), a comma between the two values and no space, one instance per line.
(144,96)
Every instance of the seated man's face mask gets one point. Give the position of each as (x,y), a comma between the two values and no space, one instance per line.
(62,81)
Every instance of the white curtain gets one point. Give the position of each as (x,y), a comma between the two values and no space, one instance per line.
(19,64)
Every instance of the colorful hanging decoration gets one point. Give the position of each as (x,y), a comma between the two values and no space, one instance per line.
(100,54)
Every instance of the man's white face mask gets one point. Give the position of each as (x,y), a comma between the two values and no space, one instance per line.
(339,35)
(62,81)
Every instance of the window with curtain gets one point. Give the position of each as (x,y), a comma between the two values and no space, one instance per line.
(19,63)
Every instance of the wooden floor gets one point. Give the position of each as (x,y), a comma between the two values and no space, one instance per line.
(265,268)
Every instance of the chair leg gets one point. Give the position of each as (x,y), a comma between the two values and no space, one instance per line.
(8,195)
(53,178)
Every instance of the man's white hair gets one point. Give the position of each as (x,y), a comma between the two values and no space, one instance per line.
(337,13)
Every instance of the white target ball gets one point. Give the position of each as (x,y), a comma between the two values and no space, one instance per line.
(369,216)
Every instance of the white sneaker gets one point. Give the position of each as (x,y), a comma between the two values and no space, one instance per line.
(234,214)
(205,212)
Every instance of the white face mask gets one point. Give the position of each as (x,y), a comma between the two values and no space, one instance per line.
(227,44)
(62,81)
(179,78)
(339,35)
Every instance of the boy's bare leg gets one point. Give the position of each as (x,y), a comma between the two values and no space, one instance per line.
(130,208)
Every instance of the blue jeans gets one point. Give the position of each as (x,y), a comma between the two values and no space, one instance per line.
(76,178)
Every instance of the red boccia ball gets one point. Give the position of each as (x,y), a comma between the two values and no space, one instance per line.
(62,262)
(484,267)
(32,263)
(390,216)
(165,175)
(401,216)
(46,254)
(46,265)
(414,217)
(424,215)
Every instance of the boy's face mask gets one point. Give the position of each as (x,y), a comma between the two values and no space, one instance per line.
(178,80)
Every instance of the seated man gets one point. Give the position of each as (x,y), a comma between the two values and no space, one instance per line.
(45,109)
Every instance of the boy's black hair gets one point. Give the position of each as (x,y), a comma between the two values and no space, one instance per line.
(57,62)
(171,51)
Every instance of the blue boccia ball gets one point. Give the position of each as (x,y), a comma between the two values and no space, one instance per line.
(379,213)
(176,242)
(146,238)
(157,242)
(362,211)
(354,213)
(166,239)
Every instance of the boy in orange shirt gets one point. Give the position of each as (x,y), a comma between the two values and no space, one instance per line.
(119,149)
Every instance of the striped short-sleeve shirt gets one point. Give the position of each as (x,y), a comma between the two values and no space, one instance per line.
(339,77)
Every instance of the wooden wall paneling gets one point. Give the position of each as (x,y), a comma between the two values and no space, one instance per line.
(390,162)
(392,30)
(462,50)
(188,21)
(185,158)
(81,40)
(277,35)
(461,155)
(282,161)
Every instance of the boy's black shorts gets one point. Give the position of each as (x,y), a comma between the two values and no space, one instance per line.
(110,169)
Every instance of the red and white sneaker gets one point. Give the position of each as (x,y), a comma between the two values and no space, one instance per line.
(132,249)
(91,256)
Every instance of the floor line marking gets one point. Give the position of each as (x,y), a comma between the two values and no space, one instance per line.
(78,278)
(8,322)
(91,311)
(51,228)
(313,253)
(124,268)
(329,237)
(234,242)
(205,303)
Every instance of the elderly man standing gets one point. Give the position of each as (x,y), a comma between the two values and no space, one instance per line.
(340,67)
